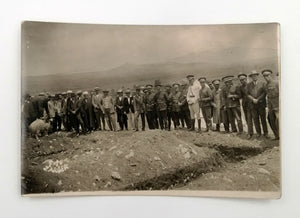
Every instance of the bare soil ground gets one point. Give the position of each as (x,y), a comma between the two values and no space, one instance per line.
(150,160)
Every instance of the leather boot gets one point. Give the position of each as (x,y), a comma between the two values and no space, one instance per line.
(192,125)
(199,126)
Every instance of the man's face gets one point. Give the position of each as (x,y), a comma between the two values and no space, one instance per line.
(149,90)
(267,77)
(157,88)
(216,85)
(191,80)
(243,80)
(97,92)
(228,83)
(254,77)
(127,94)
(120,94)
(202,83)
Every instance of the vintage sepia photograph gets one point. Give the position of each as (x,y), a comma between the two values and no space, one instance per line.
(187,110)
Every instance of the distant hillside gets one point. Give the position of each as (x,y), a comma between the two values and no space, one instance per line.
(210,64)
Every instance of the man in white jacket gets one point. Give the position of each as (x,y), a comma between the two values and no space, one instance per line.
(193,101)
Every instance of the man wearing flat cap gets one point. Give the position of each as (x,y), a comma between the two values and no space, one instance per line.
(272,90)
(150,108)
(161,102)
(205,99)
(138,103)
(245,103)
(257,103)
(231,97)
(175,109)
(193,101)
(216,103)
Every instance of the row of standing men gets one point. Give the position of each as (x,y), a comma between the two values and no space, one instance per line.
(90,111)
(259,100)
(179,104)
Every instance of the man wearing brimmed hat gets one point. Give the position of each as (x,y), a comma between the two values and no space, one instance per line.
(272,90)
(83,116)
(257,103)
(121,113)
(231,96)
(161,100)
(98,110)
(193,101)
(205,99)
(138,103)
(128,107)
(216,103)
(245,103)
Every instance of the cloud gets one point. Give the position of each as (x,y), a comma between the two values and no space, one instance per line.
(51,48)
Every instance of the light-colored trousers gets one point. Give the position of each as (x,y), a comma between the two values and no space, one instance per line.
(194,110)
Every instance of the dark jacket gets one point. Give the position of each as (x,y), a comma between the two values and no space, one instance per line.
(244,95)
(258,92)
(131,104)
(126,104)
(150,102)
(205,97)
(120,104)
(230,96)
(161,99)
(272,90)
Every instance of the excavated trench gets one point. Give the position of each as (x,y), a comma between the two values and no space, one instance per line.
(222,153)
(188,173)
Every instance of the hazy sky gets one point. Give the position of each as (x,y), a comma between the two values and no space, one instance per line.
(50,48)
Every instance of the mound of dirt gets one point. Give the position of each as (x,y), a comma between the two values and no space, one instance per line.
(149,160)
(112,161)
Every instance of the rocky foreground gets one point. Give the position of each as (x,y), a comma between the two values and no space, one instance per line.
(150,160)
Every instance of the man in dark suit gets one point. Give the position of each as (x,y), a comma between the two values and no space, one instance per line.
(120,109)
(245,103)
(84,108)
(130,115)
(257,103)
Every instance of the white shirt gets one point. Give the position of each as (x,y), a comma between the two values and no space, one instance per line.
(193,92)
